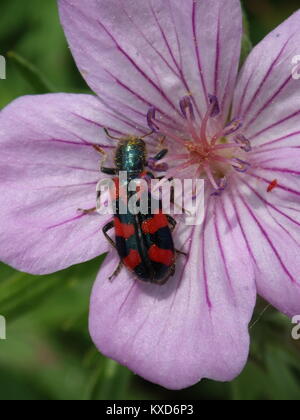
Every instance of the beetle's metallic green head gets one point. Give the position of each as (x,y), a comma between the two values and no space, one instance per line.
(131,155)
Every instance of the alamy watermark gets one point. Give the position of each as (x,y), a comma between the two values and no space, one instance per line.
(2,67)
(296,67)
(296,329)
(146,195)
(2,328)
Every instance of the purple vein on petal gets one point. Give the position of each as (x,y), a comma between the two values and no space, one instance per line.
(138,96)
(82,142)
(190,241)
(273,217)
(283,228)
(119,82)
(207,296)
(277,123)
(296,133)
(281,170)
(179,68)
(86,184)
(228,88)
(198,50)
(268,239)
(217,62)
(167,63)
(268,73)
(242,228)
(135,65)
(268,182)
(116,113)
(267,203)
(86,119)
(125,121)
(80,216)
(133,286)
(221,248)
(73,143)
(243,96)
(265,106)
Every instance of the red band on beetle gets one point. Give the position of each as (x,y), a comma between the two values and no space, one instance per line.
(133,259)
(123,230)
(163,256)
(157,222)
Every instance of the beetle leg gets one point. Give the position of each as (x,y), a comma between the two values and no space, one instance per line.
(99,149)
(181,253)
(88,211)
(173,270)
(172,222)
(106,228)
(160,155)
(172,274)
(163,177)
(116,272)
(109,171)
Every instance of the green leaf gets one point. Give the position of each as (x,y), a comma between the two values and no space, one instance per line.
(33,75)
(108,380)
(20,292)
(246,41)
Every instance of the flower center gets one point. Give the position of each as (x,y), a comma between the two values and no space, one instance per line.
(212,155)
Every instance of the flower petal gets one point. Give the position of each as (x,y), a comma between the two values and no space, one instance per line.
(267,97)
(140,54)
(280,164)
(49,169)
(193,327)
(271,228)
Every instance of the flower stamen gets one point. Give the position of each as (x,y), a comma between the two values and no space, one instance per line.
(214,155)
(243,142)
(212,111)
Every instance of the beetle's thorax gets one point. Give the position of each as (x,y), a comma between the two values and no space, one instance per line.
(131,155)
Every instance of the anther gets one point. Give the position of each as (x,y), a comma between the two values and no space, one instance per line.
(214,106)
(222,185)
(150,119)
(240,165)
(156,166)
(186,105)
(232,127)
(243,142)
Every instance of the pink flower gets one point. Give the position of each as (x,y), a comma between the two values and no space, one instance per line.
(182,60)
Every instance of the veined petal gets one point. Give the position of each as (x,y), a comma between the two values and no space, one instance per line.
(271,228)
(280,160)
(279,165)
(193,327)
(267,95)
(49,169)
(153,53)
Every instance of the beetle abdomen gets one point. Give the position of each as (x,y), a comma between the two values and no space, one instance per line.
(145,246)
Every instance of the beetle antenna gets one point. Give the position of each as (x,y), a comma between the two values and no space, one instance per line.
(121,138)
(147,135)
(110,136)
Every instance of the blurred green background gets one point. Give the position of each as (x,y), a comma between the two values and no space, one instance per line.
(48,354)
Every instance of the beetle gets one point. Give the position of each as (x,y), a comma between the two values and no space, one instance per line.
(144,242)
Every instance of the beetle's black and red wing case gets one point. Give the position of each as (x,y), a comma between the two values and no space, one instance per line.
(145,244)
